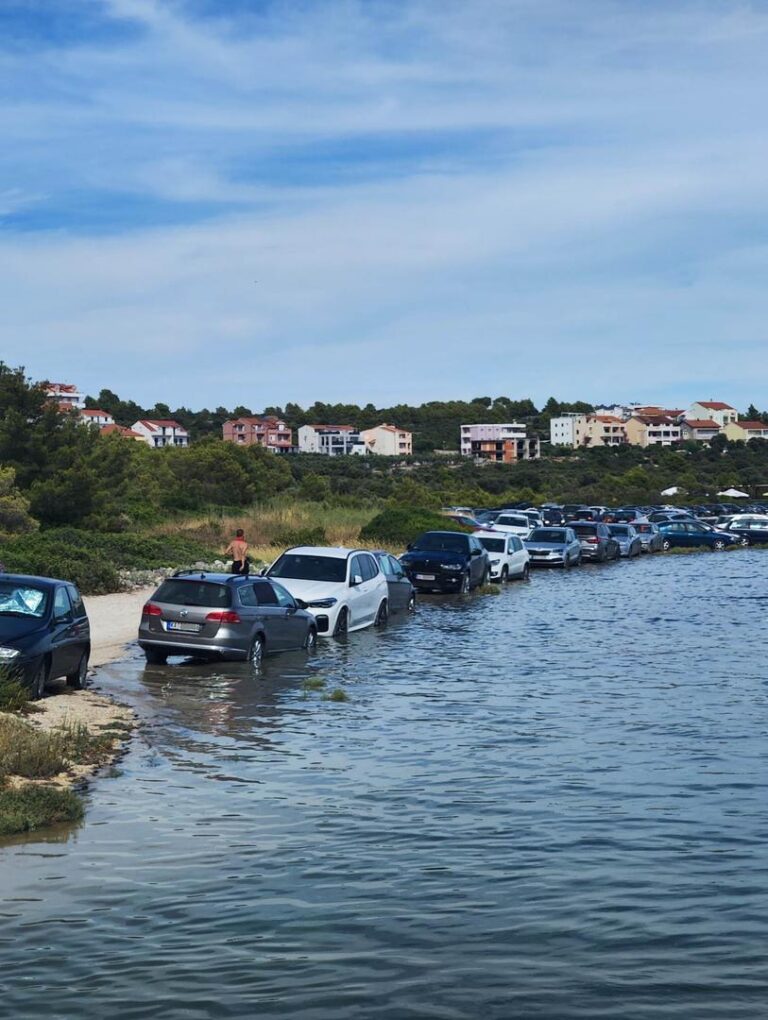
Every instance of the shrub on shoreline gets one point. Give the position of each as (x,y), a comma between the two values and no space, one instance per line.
(400,525)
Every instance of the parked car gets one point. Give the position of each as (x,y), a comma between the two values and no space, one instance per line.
(211,616)
(513,524)
(695,533)
(629,540)
(402,594)
(508,556)
(464,520)
(446,561)
(343,588)
(597,542)
(753,529)
(557,547)
(649,535)
(44,631)
(552,515)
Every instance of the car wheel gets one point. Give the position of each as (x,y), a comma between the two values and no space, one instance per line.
(39,680)
(256,651)
(411,607)
(310,643)
(566,562)
(78,679)
(486,577)
(666,545)
(342,623)
(718,544)
(382,615)
(155,657)
(744,541)
(504,575)
(526,573)
(464,583)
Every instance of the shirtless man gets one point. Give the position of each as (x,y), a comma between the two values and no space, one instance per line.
(238,550)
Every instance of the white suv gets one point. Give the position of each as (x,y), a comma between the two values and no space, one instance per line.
(344,589)
(508,556)
(516,523)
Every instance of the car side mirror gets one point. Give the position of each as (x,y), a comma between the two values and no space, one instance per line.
(301,603)
(475,552)
(355,581)
(409,547)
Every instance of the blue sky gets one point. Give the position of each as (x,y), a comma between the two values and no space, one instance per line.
(213,202)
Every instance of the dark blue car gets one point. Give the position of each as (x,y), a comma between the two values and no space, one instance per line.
(446,561)
(44,631)
(691,533)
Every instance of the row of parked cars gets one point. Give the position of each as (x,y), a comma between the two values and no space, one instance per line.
(312,592)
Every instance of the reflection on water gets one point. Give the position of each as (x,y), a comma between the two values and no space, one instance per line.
(547,804)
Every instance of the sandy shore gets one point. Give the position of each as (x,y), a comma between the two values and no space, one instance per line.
(114,623)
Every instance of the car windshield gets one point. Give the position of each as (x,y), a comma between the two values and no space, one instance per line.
(618,529)
(547,535)
(22,600)
(440,542)
(513,522)
(181,592)
(308,567)
(493,544)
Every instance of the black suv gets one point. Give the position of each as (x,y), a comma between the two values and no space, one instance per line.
(446,561)
(597,542)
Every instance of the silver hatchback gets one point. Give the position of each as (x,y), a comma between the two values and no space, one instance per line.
(223,616)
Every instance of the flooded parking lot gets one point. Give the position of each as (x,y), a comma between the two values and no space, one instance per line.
(549,803)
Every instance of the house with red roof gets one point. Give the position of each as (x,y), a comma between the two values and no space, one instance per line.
(95,416)
(715,410)
(65,395)
(259,430)
(121,430)
(746,430)
(388,441)
(700,430)
(160,432)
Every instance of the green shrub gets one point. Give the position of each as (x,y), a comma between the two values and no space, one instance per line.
(29,807)
(28,752)
(300,536)
(14,696)
(401,525)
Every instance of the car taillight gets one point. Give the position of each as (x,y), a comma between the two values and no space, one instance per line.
(150,609)
(593,541)
(222,616)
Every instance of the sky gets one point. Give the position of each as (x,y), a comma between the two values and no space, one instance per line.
(223,202)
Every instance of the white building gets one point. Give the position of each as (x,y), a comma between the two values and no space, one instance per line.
(507,442)
(388,441)
(713,410)
(67,396)
(159,432)
(94,416)
(568,430)
(331,440)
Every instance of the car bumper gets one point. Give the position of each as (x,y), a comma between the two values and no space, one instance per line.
(441,582)
(555,560)
(195,648)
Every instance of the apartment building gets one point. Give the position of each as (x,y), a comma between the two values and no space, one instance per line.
(568,430)
(259,430)
(67,396)
(388,441)
(652,430)
(331,440)
(746,430)
(505,443)
(160,432)
(699,430)
(576,430)
(715,410)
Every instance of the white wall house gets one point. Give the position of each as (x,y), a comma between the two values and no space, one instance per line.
(161,432)
(388,441)
(568,430)
(331,440)
(67,396)
(94,416)
(714,410)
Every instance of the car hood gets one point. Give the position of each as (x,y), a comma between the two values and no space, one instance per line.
(14,628)
(310,591)
(532,544)
(433,556)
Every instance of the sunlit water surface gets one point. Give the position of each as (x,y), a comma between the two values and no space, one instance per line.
(546,804)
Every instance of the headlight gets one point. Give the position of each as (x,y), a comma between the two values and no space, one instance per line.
(323,603)
(495,563)
(6,654)
(453,566)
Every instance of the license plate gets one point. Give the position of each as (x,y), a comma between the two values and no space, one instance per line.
(189,628)
(425,577)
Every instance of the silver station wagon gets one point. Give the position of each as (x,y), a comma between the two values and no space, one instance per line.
(223,616)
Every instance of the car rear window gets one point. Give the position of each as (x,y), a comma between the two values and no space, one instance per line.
(547,535)
(176,591)
(619,529)
(584,529)
(513,522)
(493,544)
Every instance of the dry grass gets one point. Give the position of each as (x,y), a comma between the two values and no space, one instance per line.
(270,528)
(31,753)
